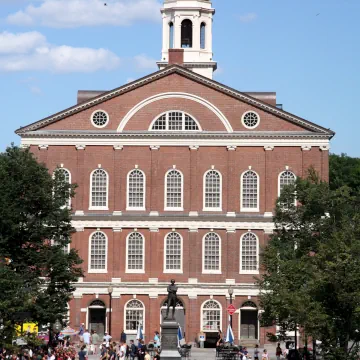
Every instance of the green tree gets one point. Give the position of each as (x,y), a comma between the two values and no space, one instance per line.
(36,274)
(344,170)
(312,266)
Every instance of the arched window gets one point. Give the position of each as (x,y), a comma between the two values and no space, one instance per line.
(249,254)
(134,316)
(286,178)
(249,304)
(65,176)
(136,190)
(171,35)
(212,253)
(249,191)
(202,35)
(173,253)
(99,182)
(175,121)
(212,191)
(173,190)
(186,34)
(211,316)
(135,259)
(98,252)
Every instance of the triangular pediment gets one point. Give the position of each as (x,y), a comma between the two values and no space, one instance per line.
(176,69)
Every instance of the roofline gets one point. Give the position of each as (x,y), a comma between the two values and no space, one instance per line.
(182,71)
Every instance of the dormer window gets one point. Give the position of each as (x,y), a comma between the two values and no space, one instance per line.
(186,34)
(175,121)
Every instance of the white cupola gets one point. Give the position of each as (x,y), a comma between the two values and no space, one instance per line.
(187,35)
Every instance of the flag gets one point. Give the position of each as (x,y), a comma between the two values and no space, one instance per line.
(179,335)
(229,335)
(139,335)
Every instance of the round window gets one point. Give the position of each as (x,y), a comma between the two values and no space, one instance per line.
(99,118)
(250,119)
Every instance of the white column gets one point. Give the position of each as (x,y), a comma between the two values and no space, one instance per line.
(177,32)
(196,32)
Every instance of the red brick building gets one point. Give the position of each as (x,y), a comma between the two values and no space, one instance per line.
(177,178)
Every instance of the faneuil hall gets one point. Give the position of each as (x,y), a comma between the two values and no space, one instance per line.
(177,177)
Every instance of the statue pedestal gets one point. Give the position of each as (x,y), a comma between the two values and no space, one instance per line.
(169,340)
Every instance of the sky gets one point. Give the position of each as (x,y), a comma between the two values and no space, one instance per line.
(308,51)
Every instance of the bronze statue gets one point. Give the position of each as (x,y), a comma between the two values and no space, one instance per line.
(172,299)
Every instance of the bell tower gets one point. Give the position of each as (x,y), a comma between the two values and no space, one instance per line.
(187,35)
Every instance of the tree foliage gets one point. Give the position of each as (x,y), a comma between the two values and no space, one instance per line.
(36,274)
(312,265)
(344,170)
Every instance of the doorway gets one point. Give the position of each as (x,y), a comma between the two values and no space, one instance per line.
(249,322)
(97,317)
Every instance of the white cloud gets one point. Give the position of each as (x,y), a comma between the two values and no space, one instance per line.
(247,18)
(77,13)
(31,52)
(20,43)
(143,62)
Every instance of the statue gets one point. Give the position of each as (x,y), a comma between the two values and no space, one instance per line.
(172,299)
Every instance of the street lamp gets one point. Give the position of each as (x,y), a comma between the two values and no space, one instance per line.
(231,292)
(110,291)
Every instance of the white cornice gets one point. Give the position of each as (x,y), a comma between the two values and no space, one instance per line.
(166,224)
(192,143)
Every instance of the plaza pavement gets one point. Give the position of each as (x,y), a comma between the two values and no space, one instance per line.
(209,354)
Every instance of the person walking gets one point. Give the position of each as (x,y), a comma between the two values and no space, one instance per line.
(87,338)
(82,353)
(278,352)
(256,352)
(95,339)
(81,332)
(156,340)
(122,351)
(265,355)
(123,336)
(133,350)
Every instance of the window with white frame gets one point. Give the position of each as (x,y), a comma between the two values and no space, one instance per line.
(249,254)
(99,189)
(136,190)
(249,191)
(98,252)
(134,316)
(212,253)
(286,178)
(135,253)
(174,190)
(212,190)
(175,121)
(65,176)
(211,316)
(173,253)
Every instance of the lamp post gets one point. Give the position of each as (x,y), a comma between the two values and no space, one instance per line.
(110,291)
(231,292)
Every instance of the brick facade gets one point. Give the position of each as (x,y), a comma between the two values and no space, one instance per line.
(276,145)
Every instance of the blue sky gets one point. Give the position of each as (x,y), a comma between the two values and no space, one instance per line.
(307,51)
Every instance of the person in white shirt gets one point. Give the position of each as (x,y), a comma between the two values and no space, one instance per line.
(122,352)
(87,337)
(107,337)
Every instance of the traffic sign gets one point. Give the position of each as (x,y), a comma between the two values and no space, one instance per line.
(231,309)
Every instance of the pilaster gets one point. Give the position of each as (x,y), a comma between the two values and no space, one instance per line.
(269,184)
(194,196)
(232,200)
(154,181)
(80,180)
(117,179)
(194,253)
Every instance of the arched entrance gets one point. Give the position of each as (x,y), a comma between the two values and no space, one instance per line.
(179,313)
(97,317)
(249,322)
